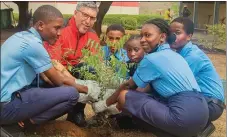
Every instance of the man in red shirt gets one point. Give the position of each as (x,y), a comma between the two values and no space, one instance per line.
(68,48)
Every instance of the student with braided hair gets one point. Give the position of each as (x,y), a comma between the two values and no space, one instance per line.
(179,108)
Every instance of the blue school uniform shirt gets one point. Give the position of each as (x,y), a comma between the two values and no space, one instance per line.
(22,57)
(166,71)
(204,71)
(120,54)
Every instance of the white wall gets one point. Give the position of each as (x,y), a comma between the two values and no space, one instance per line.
(123,10)
(11,5)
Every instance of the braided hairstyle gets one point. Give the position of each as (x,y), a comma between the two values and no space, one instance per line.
(164,28)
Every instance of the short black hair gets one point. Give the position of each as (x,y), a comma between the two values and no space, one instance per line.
(164,28)
(117,27)
(187,23)
(132,37)
(46,13)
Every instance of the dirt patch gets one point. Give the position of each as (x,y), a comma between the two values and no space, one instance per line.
(219,62)
(121,133)
(220,126)
(61,129)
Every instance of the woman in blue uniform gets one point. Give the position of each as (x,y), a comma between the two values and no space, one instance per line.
(201,66)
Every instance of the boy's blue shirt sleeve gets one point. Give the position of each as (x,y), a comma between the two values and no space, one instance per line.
(121,55)
(36,56)
(106,52)
(145,73)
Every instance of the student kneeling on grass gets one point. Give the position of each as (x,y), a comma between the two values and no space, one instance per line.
(181,110)
(203,69)
(22,57)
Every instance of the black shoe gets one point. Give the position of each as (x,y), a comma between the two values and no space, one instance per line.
(78,119)
(13,130)
(207,131)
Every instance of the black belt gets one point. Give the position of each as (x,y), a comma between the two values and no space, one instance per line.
(218,102)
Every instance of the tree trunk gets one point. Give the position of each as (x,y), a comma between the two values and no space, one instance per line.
(23,14)
(103,9)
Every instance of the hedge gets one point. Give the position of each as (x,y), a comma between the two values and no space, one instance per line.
(115,18)
(129,23)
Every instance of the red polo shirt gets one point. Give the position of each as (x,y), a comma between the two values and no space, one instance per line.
(68,47)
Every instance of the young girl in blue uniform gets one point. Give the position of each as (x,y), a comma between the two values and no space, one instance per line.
(181,110)
(135,53)
(203,69)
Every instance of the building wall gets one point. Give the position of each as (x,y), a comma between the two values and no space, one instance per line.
(69,7)
(204,10)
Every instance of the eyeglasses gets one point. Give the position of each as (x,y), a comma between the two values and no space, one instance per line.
(85,16)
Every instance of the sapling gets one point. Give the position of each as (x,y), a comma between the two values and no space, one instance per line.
(108,73)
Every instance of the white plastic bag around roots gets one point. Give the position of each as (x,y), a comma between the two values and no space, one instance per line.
(108,93)
(94,91)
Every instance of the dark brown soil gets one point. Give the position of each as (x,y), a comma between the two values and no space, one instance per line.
(61,129)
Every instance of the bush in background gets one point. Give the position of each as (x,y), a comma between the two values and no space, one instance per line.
(218,32)
(116,18)
(129,23)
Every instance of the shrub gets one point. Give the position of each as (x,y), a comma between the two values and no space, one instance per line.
(129,23)
(109,73)
(219,36)
(116,18)
(218,30)
(108,20)
(141,19)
